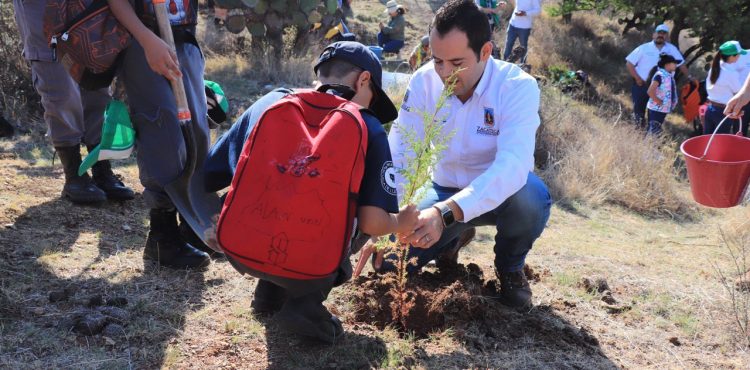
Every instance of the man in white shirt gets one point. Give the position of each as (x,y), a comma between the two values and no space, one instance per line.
(484,176)
(639,63)
(519,26)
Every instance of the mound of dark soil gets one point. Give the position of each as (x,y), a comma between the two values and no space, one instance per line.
(460,298)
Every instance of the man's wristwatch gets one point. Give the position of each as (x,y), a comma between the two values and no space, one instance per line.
(446,213)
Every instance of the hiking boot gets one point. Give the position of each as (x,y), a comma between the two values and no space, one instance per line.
(449,257)
(106,180)
(515,291)
(165,246)
(268,298)
(79,189)
(189,236)
(308,317)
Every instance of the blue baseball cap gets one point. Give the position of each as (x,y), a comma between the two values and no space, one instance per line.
(362,57)
(662,28)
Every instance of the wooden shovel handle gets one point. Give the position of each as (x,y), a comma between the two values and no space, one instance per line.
(178,88)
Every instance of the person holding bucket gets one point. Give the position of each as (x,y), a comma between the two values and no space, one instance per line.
(722,83)
(662,92)
(739,100)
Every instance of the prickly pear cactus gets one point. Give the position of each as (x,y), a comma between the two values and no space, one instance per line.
(267,19)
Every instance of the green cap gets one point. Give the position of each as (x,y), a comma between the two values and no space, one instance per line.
(221,97)
(730,48)
(118,137)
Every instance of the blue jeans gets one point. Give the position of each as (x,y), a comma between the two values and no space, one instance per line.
(655,120)
(513,34)
(388,45)
(520,220)
(714,116)
(640,100)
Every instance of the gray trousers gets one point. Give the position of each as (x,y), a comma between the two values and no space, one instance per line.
(159,140)
(73,116)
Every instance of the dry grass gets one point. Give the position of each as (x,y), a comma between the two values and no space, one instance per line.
(593,156)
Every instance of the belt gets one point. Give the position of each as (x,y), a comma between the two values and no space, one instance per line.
(717,105)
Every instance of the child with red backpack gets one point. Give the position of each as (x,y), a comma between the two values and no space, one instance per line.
(301,165)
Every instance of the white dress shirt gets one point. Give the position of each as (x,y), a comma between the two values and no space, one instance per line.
(646,57)
(532,9)
(491,151)
(743,67)
(726,85)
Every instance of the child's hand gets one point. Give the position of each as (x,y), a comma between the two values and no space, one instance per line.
(658,101)
(161,58)
(407,219)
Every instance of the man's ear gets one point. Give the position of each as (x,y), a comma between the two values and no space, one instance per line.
(363,81)
(486,51)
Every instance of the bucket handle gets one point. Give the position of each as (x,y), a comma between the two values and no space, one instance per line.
(716,130)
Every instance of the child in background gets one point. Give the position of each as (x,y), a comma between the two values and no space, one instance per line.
(662,92)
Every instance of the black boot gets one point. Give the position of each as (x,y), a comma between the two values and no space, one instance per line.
(106,180)
(79,189)
(268,298)
(307,316)
(164,244)
(515,291)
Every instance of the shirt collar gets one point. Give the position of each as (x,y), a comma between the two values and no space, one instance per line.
(484,81)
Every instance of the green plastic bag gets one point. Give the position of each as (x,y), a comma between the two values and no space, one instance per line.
(118,137)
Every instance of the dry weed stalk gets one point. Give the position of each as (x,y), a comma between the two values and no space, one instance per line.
(427,149)
(738,253)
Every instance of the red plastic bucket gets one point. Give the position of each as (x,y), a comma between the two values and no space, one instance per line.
(718,168)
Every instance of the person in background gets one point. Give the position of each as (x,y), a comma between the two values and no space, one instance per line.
(74,116)
(421,54)
(146,68)
(662,92)
(722,84)
(493,9)
(391,37)
(520,25)
(640,62)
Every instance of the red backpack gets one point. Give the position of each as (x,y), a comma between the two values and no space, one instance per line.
(291,206)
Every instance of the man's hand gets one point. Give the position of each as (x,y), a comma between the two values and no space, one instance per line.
(161,58)
(428,229)
(639,81)
(521,13)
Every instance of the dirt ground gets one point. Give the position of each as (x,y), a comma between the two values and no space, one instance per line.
(612,289)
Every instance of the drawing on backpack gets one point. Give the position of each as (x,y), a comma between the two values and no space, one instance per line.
(277,251)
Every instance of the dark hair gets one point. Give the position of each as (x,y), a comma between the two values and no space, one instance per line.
(716,66)
(664,59)
(401,10)
(465,16)
(337,68)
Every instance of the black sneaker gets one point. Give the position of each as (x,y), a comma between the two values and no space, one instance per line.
(106,180)
(515,291)
(308,317)
(268,298)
